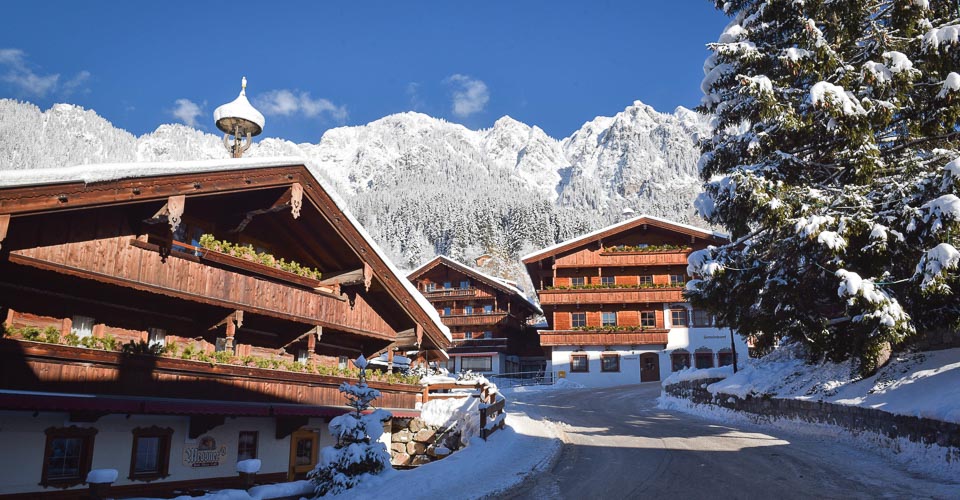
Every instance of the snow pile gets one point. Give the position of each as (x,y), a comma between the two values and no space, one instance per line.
(938,259)
(688,374)
(947,35)
(454,414)
(101,476)
(944,207)
(562,383)
(950,84)
(281,490)
(921,384)
(250,466)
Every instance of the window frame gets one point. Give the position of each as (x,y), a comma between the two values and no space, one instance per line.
(648,315)
(677,280)
(645,279)
(448,285)
(157,336)
(676,355)
(578,281)
(586,363)
(163,452)
(488,309)
(87,435)
(573,319)
(603,318)
(674,323)
(78,323)
(609,355)
(256,444)
(467,309)
(725,355)
(467,335)
(699,355)
(701,318)
(489,363)
(465,284)
(608,280)
(429,287)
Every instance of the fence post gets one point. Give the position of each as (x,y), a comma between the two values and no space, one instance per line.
(483,423)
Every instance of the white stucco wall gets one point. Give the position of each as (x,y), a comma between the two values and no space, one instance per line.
(21,471)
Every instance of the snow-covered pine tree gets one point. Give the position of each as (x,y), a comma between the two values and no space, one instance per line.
(358,451)
(834,164)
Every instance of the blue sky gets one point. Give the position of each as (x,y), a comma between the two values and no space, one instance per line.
(316,65)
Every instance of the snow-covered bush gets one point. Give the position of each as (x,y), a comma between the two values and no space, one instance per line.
(358,452)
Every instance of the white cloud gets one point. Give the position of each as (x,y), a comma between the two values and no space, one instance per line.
(413,92)
(469,95)
(187,111)
(18,74)
(285,102)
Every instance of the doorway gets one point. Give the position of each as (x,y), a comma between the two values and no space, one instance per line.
(649,367)
(303,454)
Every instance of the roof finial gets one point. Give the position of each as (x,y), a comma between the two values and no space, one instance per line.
(239,119)
(243,86)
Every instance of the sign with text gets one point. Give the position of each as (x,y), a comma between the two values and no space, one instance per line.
(204,453)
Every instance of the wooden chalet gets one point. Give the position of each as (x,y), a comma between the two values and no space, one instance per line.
(614,304)
(487,317)
(155,312)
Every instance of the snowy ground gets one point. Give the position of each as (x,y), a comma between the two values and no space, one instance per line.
(921,384)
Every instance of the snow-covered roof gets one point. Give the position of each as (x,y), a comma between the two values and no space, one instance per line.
(89,174)
(240,108)
(627,224)
(494,280)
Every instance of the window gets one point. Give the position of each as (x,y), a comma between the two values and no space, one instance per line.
(450,365)
(431,287)
(702,318)
(679,360)
(247,445)
(464,284)
(677,279)
(645,280)
(67,457)
(724,357)
(303,356)
(342,362)
(447,285)
(150,456)
(468,335)
(477,363)
(221,344)
(703,358)
(648,319)
(678,317)
(578,281)
(446,311)
(579,363)
(156,336)
(578,319)
(607,280)
(487,309)
(609,362)
(608,319)
(467,309)
(488,334)
(82,326)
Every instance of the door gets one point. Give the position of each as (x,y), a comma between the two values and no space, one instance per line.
(649,367)
(303,454)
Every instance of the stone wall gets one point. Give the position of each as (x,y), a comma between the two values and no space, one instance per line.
(415,443)
(854,418)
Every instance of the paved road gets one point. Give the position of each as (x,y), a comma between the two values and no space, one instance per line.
(619,445)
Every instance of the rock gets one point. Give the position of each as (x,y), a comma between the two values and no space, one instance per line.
(400,459)
(398,447)
(424,435)
(401,437)
(420,460)
(415,448)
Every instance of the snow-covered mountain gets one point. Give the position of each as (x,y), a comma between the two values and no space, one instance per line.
(423,185)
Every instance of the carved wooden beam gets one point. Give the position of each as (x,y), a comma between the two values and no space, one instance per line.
(292,198)
(318,330)
(4,225)
(343,278)
(367,276)
(171,213)
(236,317)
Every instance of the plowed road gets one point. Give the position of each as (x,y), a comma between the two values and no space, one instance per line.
(619,445)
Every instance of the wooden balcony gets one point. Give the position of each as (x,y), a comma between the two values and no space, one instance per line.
(32,366)
(624,259)
(478,319)
(624,337)
(453,294)
(611,296)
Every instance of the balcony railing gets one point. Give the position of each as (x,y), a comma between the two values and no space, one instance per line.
(611,295)
(473,319)
(637,336)
(450,292)
(625,259)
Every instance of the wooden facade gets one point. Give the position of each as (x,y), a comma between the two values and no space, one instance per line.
(616,286)
(484,313)
(112,303)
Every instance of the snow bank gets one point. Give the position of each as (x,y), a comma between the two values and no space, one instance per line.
(562,383)
(921,384)
(251,466)
(688,374)
(280,490)
(102,476)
